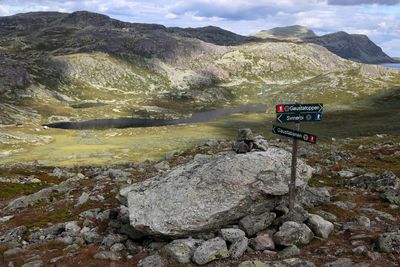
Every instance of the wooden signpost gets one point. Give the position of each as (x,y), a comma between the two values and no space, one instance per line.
(296,113)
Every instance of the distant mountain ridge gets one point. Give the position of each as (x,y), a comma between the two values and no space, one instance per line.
(82,65)
(289,31)
(355,47)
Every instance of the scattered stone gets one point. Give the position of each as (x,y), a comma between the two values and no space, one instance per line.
(108,255)
(13,235)
(290,251)
(48,233)
(162,166)
(327,215)
(252,224)
(6,218)
(222,188)
(341,262)
(237,249)
(210,250)
(262,242)
(72,228)
(347,205)
(364,221)
(292,233)
(252,264)
(231,234)
(132,247)
(182,250)
(112,239)
(82,199)
(12,251)
(315,196)
(320,226)
(35,263)
(91,236)
(373,255)
(117,247)
(299,215)
(152,261)
(346,174)
(362,250)
(379,213)
(389,242)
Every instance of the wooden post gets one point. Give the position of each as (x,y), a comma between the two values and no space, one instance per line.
(292,184)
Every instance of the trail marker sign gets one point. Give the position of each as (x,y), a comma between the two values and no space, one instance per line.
(296,113)
(310,138)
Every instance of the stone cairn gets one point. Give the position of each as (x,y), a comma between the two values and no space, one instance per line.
(246,142)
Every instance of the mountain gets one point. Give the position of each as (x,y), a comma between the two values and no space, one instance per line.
(296,31)
(356,47)
(214,35)
(79,66)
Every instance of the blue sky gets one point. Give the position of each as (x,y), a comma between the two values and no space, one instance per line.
(379,19)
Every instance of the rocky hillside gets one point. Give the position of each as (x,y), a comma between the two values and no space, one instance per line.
(83,65)
(296,31)
(356,47)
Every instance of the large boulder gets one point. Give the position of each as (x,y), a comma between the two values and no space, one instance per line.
(212,191)
(320,226)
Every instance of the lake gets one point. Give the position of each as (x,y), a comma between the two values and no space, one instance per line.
(392,65)
(143,122)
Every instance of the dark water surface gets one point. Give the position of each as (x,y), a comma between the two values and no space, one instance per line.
(139,122)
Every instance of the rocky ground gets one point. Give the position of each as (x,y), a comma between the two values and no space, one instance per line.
(348,215)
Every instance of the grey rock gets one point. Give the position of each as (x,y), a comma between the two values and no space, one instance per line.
(320,226)
(211,191)
(35,263)
(12,252)
(238,248)
(290,251)
(380,214)
(210,250)
(108,255)
(152,261)
(43,194)
(82,199)
(293,262)
(347,205)
(315,196)
(299,214)
(346,174)
(13,235)
(117,247)
(327,215)
(245,134)
(260,143)
(132,233)
(252,224)
(341,262)
(90,214)
(112,239)
(50,232)
(241,147)
(231,234)
(262,242)
(91,236)
(161,166)
(292,233)
(132,247)
(389,242)
(72,228)
(182,250)
(364,221)
(362,250)
(373,255)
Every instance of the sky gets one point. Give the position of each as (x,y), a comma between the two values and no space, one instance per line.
(379,19)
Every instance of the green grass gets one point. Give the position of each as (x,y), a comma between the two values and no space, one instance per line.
(11,190)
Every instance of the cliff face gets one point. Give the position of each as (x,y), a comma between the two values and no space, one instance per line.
(354,47)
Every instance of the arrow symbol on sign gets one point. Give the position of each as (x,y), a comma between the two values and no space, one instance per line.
(321,108)
(279,118)
(274,129)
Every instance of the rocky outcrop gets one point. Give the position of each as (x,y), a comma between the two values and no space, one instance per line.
(296,31)
(356,47)
(212,191)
